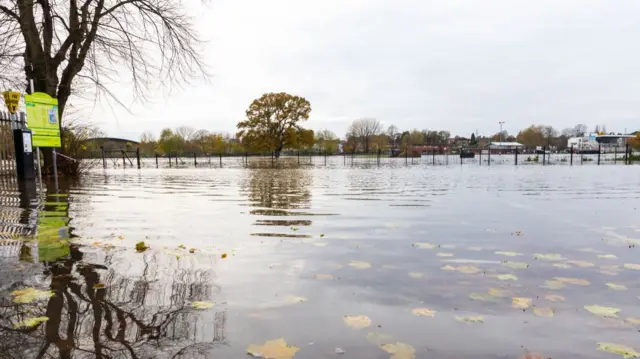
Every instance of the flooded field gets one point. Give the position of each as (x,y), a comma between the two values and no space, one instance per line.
(362,262)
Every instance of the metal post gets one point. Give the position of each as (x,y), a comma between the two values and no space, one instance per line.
(138,156)
(406,155)
(169,154)
(489,157)
(516,151)
(446,158)
(220,159)
(379,151)
(344,159)
(195,160)
(599,154)
(38,159)
(544,155)
(627,155)
(55,167)
(272,158)
(104,161)
(480,158)
(298,156)
(615,155)
(571,163)
(325,157)
(581,157)
(433,157)
(156,160)
(124,164)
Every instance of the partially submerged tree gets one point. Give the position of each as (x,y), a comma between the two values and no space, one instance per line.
(273,123)
(364,129)
(63,45)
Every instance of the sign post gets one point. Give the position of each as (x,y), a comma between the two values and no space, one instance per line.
(21,139)
(42,120)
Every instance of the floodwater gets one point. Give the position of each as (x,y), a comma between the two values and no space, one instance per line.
(355,262)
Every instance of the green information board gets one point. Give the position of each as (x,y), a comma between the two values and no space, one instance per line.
(42,119)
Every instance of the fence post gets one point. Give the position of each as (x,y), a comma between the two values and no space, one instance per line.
(544,155)
(627,154)
(124,164)
(169,154)
(615,155)
(195,160)
(138,156)
(516,152)
(433,157)
(581,157)
(599,153)
(406,155)
(156,160)
(104,160)
(379,151)
(220,159)
(246,158)
(489,155)
(298,156)
(325,157)
(571,155)
(272,155)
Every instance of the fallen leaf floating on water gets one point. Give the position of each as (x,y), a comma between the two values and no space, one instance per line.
(98,286)
(521,303)
(273,349)
(476,319)
(425,245)
(294,299)
(485,297)
(631,320)
(357,321)
(29,295)
(141,247)
(192,250)
(632,266)
(623,350)
(574,281)
(324,276)
(425,312)
(321,235)
(554,298)
(444,254)
(561,265)
(607,256)
(616,286)
(515,265)
(543,312)
(506,277)
(223,255)
(360,265)
(582,264)
(182,246)
(549,256)
(378,338)
(30,322)
(467,269)
(416,275)
(500,293)
(509,254)
(533,356)
(603,311)
(588,250)
(399,350)
(202,305)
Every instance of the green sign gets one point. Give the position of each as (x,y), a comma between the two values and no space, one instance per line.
(42,119)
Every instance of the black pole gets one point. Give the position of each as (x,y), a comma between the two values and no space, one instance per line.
(615,155)
(406,155)
(298,156)
(156,160)
(581,157)
(433,157)
(379,152)
(480,158)
(544,155)
(627,155)
(325,157)
(272,154)
(195,160)
(571,155)
(599,154)
(220,159)
(138,156)
(516,152)
(124,164)
(169,154)
(104,160)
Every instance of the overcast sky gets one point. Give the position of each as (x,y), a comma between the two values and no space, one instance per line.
(457,65)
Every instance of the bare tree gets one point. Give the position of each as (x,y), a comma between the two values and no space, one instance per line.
(579,130)
(147,137)
(392,132)
(62,45)
(364,129)
(185,132)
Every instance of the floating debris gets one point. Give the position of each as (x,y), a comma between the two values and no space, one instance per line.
(399,350)
(323,276)
(632,266)
(515,265)
(30,322)
(616,286)
(424,245)
(543,312)
(508,254)
(29,295)
(581,264)
(357,321)
(574,281)
(98,286)
(444,254)
(549,256)
(141,247)
(485,297)
(425,312)
(476,319)
(295,299)
(614,348)
(554,298)
(273,349)
(609,312)
(607,256)
(359,265)
(202,305)
(506,277)
(521,303)
(416,275)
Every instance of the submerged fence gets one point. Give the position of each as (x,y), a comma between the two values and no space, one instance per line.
(133,159)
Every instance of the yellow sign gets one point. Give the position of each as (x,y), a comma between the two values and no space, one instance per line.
(42,119)
(12,99)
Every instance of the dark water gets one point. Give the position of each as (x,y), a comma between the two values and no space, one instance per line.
(306,247)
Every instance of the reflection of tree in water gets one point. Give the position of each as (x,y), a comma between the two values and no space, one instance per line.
(279,188)
(142,311)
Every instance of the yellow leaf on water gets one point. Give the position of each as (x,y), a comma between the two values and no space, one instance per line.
(555,298)
(561,265)
(468,269)
(581,264)
(530,355)
(273,349)
(574,281)
(553,284)
(549,256)
(324,276)
(425,245)
(500,293)
(632,266)
(201,305)
(444,254)
(506,277)
(616,286)
(399,350)
(609,272)
(543,312)
(416,275)
(515,265)
(623,350)
(475,319)
(634,321)
(98,286)
(30,322)
(521,303)
(449,268)
(607,256)
(359,265)
(378,338)
(28,295)
(357,321)
(425,312)
(294,299)
(508,254)
(485,297)
(603,311)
